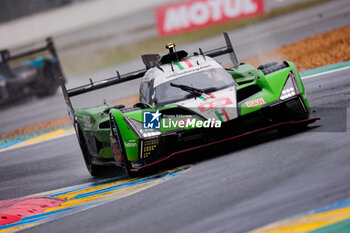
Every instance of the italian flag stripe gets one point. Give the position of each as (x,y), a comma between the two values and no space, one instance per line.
(218,115)
(226,115)
(187,63)
(179,65)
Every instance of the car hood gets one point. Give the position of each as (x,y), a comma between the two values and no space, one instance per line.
(220,105)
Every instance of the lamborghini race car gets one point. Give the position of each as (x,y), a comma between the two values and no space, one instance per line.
(38,76)
(186,102)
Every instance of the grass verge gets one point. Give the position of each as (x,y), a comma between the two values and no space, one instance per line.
(320,50)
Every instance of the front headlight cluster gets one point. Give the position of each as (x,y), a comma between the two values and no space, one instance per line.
(138,129)
(289,89)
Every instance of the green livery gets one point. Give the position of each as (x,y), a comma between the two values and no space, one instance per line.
(186,102)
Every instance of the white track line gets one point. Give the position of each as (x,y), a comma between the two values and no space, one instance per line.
(325,72)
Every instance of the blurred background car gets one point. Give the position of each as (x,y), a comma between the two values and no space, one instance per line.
(36,76)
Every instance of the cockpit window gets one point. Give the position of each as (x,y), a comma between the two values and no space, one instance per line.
(208,81)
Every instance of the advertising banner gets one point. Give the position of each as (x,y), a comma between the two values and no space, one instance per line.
(194,14)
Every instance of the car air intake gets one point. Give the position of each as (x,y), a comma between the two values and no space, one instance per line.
(274,68)
(247,92)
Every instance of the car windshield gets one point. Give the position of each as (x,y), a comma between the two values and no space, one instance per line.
(208,81)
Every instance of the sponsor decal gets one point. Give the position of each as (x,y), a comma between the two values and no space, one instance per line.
(151,120)
(130,144)
(185,72)
(190,122)
(214,104)
(177,116)
(177,121)
(222,115)
(189,15)
(206,97)
(255,102)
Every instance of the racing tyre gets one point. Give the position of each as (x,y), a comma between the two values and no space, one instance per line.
(117,136)
(94,170)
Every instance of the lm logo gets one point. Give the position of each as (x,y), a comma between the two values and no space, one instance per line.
(151,120)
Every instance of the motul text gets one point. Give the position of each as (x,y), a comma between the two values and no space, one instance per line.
(189,15)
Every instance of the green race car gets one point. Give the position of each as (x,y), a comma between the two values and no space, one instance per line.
(186,102)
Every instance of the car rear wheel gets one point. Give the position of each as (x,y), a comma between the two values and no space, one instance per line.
(115,133)
(94,170)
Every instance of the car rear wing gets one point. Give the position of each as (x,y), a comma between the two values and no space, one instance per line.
(95,86)
(228,49)
(50,47)
(7,56)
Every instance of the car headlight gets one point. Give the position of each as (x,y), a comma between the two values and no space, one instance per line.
(137,127)
(289,88)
